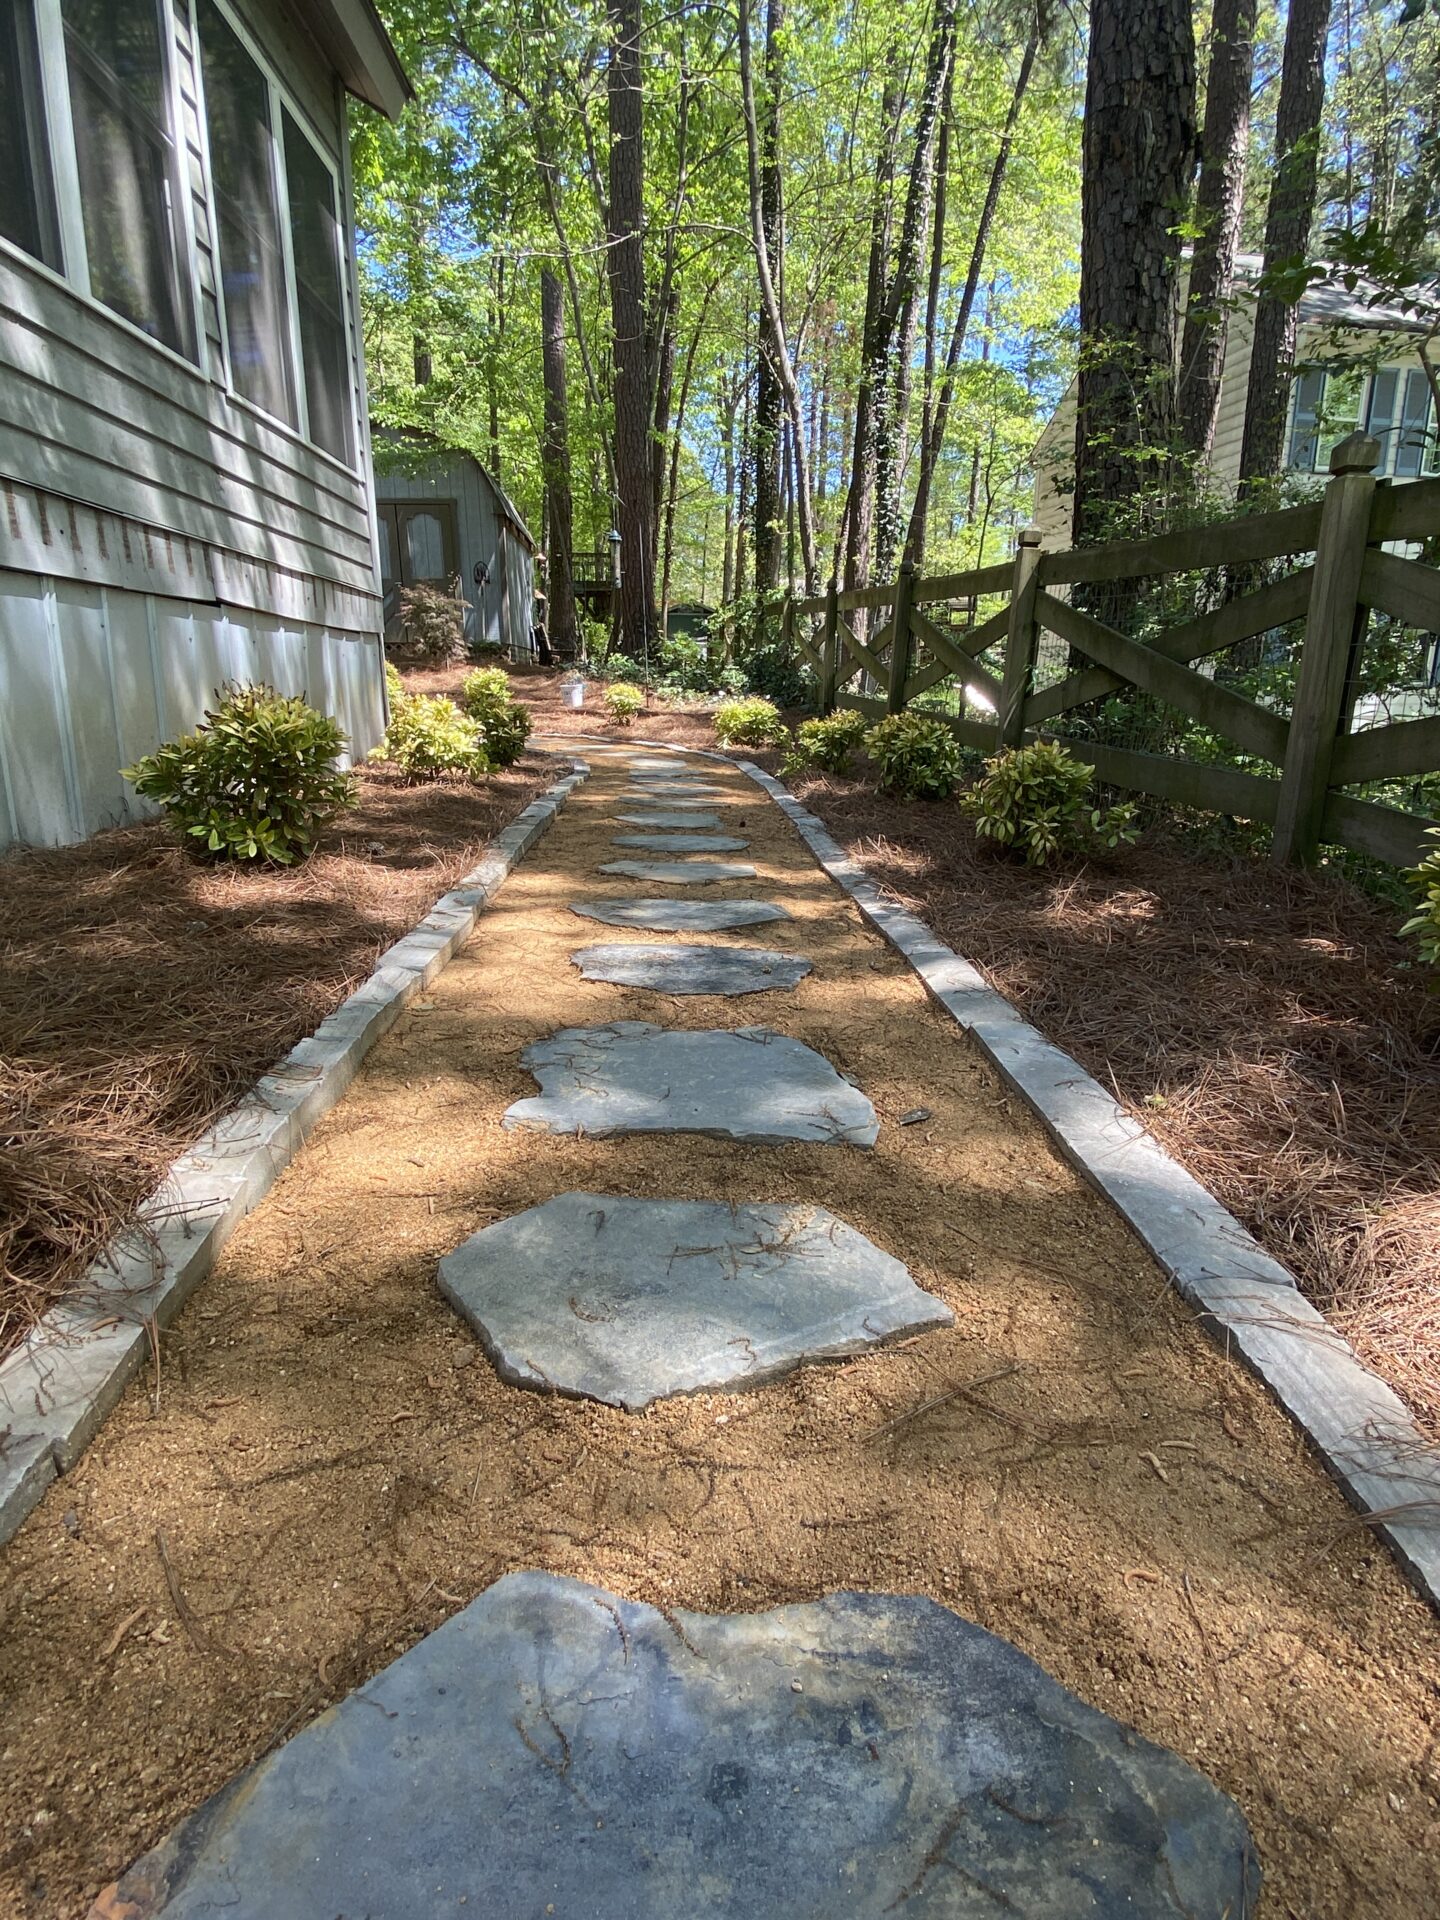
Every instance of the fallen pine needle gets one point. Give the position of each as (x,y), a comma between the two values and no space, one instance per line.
(1142,1573)
(939,1399)
(1154,1460)
(113,1643)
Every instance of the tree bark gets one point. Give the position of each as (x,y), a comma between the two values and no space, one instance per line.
(769,395)
(1139,150)
(1219,203)
(1287,234)
(860,500)
(561,624)
(625,258)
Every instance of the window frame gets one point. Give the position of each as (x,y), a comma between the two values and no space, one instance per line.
(1390,436)
(281,102)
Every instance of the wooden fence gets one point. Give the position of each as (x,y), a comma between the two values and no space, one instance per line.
(1314,752)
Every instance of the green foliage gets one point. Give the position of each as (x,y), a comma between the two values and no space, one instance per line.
(829,744)
(429,738)
(432,628)
(256,780)
(486,691)
(1037,800)
(917,757)
(504,723)
(620,667)
(1425,923)
(748,722)
(623,702)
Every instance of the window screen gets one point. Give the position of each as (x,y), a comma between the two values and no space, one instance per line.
(316,238)
(1415,443)
(124,154)
(1305,426)
(27,208)
(252,261)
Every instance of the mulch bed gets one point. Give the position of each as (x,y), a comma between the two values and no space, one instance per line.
(1269,1027)
(141,993)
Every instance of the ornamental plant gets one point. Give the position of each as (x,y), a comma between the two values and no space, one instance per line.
(829,744)
(429,739)
(748,722)
(257,779)
(1036,799)
(504,724)
(917,756)
(1425,923)
(431,627)
(623,702)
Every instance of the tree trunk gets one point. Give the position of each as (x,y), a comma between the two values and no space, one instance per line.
(1139,150)
(935,438)
(769,395)
(860,501)
(672,490)
(561,623)
(1219,203)
(625,258)
(497,322)
(1287,235)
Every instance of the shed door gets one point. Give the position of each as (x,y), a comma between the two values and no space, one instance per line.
(418,545)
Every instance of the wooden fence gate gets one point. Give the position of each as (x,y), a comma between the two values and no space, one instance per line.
(1315,752)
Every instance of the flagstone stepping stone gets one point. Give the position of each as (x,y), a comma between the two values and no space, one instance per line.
(751,1085)
(675,819)
(678,796)
(679,916)
(682,842)
(554,1748)
(681,872)
(677,969)
(629,1301)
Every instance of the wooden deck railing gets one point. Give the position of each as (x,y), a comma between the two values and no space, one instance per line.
(908,651)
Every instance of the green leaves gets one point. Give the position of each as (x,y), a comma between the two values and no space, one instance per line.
(748,722)
(256,780)
(1036,799)
(623,702)
(429,738)
(917,757)
(829,744)
(1425,924)
(504,724)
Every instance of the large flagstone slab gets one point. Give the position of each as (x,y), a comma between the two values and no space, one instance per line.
(681,873)
(554,1749)
(680,916)
(674,818)
(749,1084)
(679,797)
(682,842)
(630,1301)
(688,969)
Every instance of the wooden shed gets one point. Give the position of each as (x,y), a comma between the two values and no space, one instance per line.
(444,517)
(184,445)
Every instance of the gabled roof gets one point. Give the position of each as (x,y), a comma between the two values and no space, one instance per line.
(436,449)
(352,36)
(1334,306)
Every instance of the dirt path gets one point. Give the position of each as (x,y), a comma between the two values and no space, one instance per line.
(333,1467)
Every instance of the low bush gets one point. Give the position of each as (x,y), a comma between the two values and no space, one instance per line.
(429,738)
(504,724)
(623,702)
(431,627)
(1037,800)
(748,722)
(621,670)
(1425,923)
(916,756)
(485,691)
(829,744)
(256,780)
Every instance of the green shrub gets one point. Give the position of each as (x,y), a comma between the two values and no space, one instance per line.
(394,687)
(428,737)
(504,724)
(431,627)
(1425,924)
(829,744)
(748,722)
(256,780)
(620,669)
(1037,800)
(623,702)
(918,757)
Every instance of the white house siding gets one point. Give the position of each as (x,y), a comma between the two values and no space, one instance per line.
(158,536)
(501,614)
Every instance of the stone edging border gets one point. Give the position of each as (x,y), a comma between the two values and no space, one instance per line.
(1361,1429)
(58,1387)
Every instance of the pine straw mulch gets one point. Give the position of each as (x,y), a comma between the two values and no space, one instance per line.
(141,993)
(1263,1024)
(539,688)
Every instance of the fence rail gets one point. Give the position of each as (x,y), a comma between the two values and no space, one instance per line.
(907,646)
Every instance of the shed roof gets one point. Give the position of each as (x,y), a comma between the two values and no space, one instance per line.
(436,449)
(353,37)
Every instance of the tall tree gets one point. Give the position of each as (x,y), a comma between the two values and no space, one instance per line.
(559,516)
(1219,204)
(1139,150)
(769,395)
(1288,218)
(625,257)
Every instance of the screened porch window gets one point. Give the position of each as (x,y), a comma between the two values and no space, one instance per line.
(317,243)
(252,259)
(27,202)
(125,159)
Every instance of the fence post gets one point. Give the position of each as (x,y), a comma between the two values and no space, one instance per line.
(1020,641)
(902,640)
(1334,627)
(830,649)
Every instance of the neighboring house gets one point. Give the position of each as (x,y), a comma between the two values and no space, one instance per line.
(1388,394)
(183,437)
(443,517)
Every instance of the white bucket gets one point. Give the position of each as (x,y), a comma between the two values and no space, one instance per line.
(574,692)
